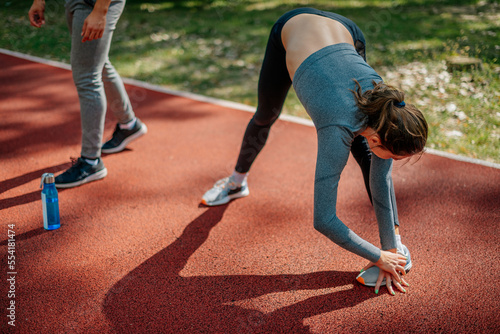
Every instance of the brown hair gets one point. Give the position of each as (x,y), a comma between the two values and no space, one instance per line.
(402,129)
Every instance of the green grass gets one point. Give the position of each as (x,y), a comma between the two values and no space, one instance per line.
(215,48)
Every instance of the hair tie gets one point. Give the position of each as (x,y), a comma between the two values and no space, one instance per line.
(400,104)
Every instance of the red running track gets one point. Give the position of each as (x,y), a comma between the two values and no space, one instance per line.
(136,253)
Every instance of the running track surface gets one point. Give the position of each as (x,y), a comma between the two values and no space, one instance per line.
(136,253)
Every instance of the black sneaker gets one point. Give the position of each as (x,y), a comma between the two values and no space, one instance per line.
(122,137)
(81,172)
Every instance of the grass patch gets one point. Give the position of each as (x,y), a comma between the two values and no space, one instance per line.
(215,48)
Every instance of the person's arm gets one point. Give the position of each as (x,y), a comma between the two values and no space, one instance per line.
(384,204)
(384,200)
(36,13)
(94,24)
(333,152)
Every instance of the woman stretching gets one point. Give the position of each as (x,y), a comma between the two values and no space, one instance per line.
(353,111)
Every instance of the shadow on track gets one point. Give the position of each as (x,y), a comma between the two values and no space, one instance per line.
(154,297)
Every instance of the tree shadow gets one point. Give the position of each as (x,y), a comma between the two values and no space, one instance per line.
(28,177)
(25,236)
(23,179)
(155,297)
(21,135)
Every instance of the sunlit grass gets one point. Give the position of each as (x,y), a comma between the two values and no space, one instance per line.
(216,47)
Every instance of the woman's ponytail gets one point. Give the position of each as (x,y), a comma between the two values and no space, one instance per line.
(401,127)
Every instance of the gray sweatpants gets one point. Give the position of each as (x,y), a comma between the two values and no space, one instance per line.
(97,82)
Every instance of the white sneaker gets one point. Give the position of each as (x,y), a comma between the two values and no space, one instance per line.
(369,277)
(223,191)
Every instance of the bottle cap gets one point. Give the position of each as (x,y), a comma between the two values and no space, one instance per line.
(47,178)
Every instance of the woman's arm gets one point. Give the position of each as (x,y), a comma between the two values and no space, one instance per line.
(333,152)
(384,204)
(384,200)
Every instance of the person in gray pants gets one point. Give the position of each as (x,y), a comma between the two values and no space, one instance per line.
(91,24)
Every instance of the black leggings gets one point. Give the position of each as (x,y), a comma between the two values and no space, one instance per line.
(274,83)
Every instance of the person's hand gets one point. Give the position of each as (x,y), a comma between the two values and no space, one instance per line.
(391,265)
(93,26)
(36,13)
(390,280)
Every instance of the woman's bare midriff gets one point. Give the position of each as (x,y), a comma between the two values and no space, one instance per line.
(305,34)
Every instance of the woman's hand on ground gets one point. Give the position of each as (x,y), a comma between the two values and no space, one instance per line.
(391,265)
(390,281)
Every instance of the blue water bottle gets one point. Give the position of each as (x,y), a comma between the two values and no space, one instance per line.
(50,202)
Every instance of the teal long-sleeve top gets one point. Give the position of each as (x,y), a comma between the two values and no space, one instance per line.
(322,83)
